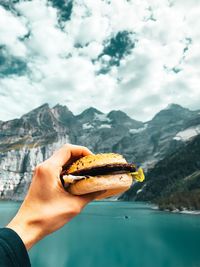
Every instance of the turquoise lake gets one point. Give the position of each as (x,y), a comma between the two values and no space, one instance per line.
(118,234)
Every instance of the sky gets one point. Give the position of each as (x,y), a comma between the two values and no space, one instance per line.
(137,56)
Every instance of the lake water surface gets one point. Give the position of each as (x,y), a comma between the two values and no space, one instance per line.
(118,234)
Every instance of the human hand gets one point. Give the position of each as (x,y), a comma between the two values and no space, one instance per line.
(47,206)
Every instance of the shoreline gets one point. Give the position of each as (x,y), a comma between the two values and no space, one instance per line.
(184,211)
(151,206)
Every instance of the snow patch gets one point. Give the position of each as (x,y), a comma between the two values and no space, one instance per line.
(87,126)
(139,130)
(187,134)
(104,126)
(101,117)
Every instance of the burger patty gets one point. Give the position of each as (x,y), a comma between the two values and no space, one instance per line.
(106,169)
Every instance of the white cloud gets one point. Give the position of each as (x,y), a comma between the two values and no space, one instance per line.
(11,28)
(92,50)
(60,72)
(46,40)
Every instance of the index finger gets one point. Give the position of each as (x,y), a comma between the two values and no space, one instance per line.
(68,152)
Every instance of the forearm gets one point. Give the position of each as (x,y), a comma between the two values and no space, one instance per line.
(29,229)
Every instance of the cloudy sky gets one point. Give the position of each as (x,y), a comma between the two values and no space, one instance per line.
(137,56)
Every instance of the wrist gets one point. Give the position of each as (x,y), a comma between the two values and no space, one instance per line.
(27,229)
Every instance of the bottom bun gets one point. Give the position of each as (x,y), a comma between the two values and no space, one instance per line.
(114,184)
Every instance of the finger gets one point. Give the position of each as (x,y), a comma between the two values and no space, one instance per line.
(76,153)
(67,152)
(80,151)
(85,199)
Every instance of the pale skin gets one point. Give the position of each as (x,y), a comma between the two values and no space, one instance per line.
(47,206)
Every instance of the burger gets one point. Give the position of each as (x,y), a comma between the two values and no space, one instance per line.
(109,172)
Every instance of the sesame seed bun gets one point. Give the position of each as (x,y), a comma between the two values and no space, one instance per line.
(92,161)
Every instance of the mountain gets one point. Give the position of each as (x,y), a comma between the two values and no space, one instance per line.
(88,115)
(174,182)
(26,141)
(173,113)
(118,117)
(101,132)
(158,138)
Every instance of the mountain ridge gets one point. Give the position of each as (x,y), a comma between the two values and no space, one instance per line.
(47,105)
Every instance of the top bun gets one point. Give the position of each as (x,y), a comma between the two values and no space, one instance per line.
(95,161)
